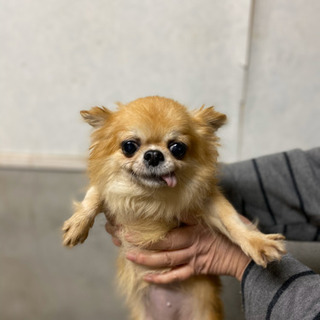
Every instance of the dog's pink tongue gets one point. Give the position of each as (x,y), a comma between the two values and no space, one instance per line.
(170,179)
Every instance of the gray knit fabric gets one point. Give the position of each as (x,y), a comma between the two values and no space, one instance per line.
(281,192)
(285,290)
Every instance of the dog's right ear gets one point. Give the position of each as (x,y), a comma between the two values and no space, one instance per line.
(96,116)
(210,117)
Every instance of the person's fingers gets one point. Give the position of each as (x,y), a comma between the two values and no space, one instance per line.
(116,242)
(189,219)
(161,259)
(176,239)
(113,230)
(178,274)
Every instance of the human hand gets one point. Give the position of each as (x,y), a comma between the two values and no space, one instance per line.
(113,231)
(193,249)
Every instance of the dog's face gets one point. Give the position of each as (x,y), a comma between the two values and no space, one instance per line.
(152,158)
(153,142)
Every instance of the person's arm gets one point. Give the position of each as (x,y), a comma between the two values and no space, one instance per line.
(284,200)
(281,191)
(284,290)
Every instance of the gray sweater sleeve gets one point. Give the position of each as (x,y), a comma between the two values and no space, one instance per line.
(280,191)
(285,290)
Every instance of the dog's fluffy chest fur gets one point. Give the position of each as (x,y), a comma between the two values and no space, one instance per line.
(152,164)
(146,216)
(132,205)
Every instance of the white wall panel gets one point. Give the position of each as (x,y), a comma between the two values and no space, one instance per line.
(59,57)
(283,99)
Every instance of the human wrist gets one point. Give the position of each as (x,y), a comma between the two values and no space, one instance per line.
(235,262)
(242,264)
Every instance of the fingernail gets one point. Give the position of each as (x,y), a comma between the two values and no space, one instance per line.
(148,277)
(129,237)
(131,256)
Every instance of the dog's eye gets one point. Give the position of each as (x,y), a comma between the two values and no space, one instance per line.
(129,148)
(178,149)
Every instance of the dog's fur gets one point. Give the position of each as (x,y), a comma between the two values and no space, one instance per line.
(149,200)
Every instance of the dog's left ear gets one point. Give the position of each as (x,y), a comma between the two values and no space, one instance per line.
(96,116)
(210,117)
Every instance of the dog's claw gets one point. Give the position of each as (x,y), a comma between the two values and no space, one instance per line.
(266,248)
(75,230)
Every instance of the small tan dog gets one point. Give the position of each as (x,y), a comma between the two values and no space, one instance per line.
(152,161)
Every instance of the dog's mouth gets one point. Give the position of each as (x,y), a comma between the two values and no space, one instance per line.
(155,180)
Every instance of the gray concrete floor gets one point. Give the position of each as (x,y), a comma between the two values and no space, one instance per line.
(40,279)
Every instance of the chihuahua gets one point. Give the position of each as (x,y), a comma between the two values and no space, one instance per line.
(153,162)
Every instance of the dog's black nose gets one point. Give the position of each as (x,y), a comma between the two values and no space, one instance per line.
(153,157)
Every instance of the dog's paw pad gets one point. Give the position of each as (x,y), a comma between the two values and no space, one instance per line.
(267,249)
(75,231)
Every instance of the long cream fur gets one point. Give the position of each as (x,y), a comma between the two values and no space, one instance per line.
(149,212)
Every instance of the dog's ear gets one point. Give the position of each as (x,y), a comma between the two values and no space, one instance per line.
(210,117)
(96,116)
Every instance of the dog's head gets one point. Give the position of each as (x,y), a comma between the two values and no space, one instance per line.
(153,142)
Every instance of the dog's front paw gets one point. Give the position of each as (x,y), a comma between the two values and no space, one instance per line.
(265,248)
(75,230)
